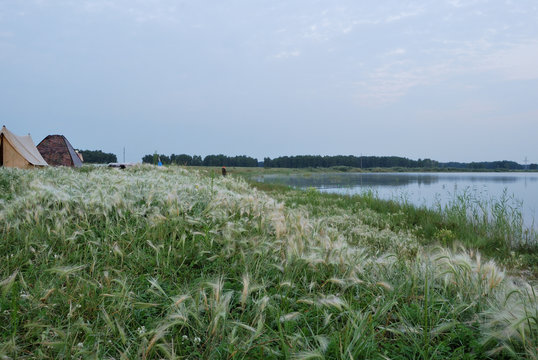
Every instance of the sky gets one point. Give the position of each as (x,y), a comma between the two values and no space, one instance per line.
(450,80)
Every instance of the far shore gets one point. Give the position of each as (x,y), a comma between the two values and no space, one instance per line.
(345,169)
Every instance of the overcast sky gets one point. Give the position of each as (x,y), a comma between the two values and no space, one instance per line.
(446,79)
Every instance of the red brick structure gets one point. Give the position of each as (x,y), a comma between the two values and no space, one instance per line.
(57,151)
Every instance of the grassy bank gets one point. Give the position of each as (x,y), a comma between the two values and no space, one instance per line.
(464,220)
(158,263)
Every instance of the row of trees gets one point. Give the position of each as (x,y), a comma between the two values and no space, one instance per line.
(220,160)
(182,159)
(303,161)
(489,165)
(97,157)
(196,160)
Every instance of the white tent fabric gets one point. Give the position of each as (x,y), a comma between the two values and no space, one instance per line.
(24,145)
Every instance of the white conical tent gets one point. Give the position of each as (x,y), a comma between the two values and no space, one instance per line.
(18,151)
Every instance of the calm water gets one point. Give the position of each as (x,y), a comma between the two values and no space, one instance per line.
(429,189)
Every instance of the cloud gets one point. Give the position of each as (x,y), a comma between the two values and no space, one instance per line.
(97,6)
(403,15)
(391,81)
(287,54)
(455,3)
(396,52)
(514,62)
(142,11)
(342,21)
(387,83)
(325,29)
(465,3)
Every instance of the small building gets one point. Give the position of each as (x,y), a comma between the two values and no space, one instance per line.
(57,151)
(19,151)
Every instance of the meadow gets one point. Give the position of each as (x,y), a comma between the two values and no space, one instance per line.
(174,263)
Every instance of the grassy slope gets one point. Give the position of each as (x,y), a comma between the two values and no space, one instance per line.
(165,263)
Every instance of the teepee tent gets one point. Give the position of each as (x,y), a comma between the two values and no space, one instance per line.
(57,151)
(18,151)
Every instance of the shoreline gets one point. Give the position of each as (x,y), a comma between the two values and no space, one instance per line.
(445,227)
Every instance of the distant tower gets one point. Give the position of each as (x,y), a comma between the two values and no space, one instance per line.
(526,161)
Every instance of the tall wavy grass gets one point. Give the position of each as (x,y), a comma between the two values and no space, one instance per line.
(156,263)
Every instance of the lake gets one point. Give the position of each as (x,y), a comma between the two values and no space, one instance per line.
(428,189)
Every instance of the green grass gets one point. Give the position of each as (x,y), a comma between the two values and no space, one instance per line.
(464,220)
(156,263)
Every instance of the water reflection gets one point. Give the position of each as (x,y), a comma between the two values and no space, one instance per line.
(329,180)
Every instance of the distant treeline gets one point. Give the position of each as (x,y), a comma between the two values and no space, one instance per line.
(97,157)
(302,161)
(318,161)
(489,165)
(368,162)
(196,160)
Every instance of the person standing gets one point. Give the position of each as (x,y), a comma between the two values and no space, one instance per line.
(223,171)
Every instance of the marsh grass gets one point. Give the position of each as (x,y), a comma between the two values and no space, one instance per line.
(156,263)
